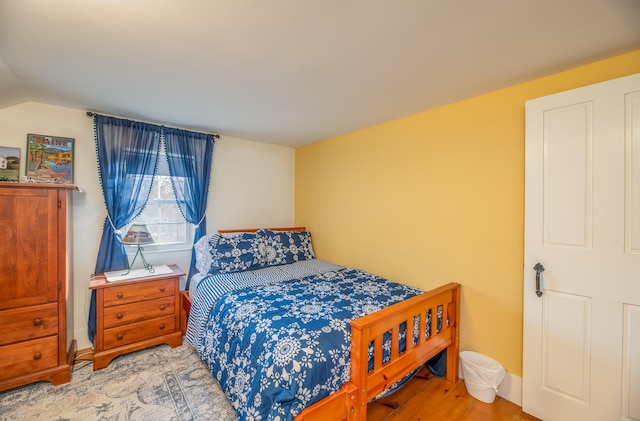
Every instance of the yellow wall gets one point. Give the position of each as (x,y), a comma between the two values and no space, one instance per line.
(438,197)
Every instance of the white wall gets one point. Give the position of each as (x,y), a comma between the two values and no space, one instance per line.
(252,185)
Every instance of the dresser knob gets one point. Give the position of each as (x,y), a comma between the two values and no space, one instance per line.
(37,356)
(119,316)
(120,295)
(37,322)
(162,289)
(162,326)
(162,307)
(119,337)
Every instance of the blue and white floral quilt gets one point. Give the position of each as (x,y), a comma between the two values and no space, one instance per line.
(277,348)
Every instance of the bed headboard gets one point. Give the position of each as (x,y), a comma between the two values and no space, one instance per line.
(296,229)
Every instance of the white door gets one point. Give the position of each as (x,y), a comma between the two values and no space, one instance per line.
(581,358)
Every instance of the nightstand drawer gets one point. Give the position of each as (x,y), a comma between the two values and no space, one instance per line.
(28,323)
(138,312)
(125,294)
(124,335)
(29,356)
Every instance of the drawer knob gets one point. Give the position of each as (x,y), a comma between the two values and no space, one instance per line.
(37,322)
(162,307)
(162,326)
(162,289)
(119,316)
(120,295)
(37,356)
(119,337)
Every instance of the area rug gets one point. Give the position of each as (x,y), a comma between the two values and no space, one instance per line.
(159,383)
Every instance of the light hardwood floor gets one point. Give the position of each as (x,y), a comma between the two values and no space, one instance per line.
(426,397)
(429,398)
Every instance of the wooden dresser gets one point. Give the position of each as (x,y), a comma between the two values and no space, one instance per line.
(36,317)
(135,314)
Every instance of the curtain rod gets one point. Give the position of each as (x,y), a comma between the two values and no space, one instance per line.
(91,114)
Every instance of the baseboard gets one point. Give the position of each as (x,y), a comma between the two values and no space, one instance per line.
(83,355)
(511,388)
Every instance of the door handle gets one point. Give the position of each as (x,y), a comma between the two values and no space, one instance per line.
(539,269)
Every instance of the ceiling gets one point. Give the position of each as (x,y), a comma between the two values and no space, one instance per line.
(292,72)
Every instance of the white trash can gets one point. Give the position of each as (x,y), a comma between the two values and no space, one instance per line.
(482,375)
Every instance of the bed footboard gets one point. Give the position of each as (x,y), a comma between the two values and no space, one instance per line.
(433,317)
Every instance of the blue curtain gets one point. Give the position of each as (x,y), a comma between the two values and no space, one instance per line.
(190,156)
(127,160)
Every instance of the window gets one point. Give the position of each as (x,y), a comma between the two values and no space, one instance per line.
(169,229)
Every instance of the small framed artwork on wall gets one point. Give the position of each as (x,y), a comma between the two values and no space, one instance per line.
(49,159)
(9,163)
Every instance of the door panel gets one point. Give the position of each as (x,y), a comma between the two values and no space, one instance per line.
(566,345)
(631,365)
(567,176)
(29,221)
(633,172)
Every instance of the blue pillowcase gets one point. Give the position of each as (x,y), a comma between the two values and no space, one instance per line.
(283,247)
(238,252)
(247,251)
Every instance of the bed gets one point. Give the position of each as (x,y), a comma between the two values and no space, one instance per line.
(288,335)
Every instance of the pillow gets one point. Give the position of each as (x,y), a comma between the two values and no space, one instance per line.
(284,247)
(203,248)
(237,252)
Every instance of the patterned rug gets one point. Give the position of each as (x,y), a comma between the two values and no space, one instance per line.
(159,383)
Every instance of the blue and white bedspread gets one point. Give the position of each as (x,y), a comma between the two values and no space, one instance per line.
(276,349)
(206,290)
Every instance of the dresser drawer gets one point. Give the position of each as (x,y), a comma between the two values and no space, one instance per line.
(26,323)
(29,356)
(125,294)
(137,312)
(127,334)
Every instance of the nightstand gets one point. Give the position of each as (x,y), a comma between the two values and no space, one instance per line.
(136,313)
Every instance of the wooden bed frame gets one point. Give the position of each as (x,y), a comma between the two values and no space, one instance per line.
(350,402)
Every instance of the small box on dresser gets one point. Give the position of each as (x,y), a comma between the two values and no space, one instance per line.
(135,313)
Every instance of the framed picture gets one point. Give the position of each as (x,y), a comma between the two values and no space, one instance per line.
(9,163)
(50,159)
